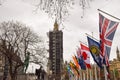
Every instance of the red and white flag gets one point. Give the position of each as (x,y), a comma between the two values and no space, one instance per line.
(85,52)
(78,51)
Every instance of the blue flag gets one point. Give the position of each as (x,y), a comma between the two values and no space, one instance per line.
(81,63)
(94,47)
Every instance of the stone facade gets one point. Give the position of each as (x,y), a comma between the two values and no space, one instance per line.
(115,67)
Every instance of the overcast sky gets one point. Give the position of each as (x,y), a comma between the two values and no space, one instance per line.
(74,28)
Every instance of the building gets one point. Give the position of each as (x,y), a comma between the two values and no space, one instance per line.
(115,67)
(55,53)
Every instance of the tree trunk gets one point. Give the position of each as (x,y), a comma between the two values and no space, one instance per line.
(12,73)
(13,77)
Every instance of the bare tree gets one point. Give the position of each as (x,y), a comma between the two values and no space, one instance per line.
(1,2)
(59,9)
(16,40)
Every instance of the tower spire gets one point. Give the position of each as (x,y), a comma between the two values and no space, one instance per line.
(117,52)
(56,27)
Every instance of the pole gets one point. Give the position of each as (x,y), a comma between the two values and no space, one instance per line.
(95,73)
(32,69)
(92,36)
(99,75)
(80,78)
(105,72)
(108,14)
(83,76)
(87,73)
(114,74)
(90,74)
(70,76)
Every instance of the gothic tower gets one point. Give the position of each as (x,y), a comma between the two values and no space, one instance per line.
(118,54)
(55,53)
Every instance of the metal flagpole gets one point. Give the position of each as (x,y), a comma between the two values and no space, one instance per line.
(108,14)
(105,72)
(87,73)
(90,74)
(80,74)
(83,76)
(70,76)
(76,77)
(114,74)
(99,75)
(95,73)
(95,65)
(92,36)
(93,78)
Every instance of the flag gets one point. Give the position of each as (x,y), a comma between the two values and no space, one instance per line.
(81,63)
(108,74)
(80,59)
(106,60)
(107,29)
(94,47)
(74,69)
(86,55)
(69,69)
(76,61)
(78,51)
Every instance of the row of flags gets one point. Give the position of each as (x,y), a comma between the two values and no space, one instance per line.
(99,49)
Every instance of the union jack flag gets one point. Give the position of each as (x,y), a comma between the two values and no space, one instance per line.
(107,30)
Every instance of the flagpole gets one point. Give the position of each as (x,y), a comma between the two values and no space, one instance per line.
(80,74)
(105,72)
(108,14)
(92,37)
(95,72)
(99,75)
(83,42)
(76,77)
(90,74)
(87,73)
(95,63)
(84,75)
(114,74)
(71,76)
